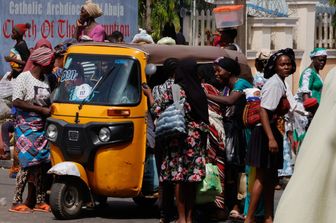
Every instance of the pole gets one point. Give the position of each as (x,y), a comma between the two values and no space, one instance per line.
(241,38)
(194,24)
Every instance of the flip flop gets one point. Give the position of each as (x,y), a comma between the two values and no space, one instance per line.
(42,208)
(234,215)
(20,208)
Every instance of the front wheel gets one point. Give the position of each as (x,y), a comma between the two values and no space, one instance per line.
(66,200)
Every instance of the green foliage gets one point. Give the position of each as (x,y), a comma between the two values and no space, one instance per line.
(163,11)
(332,2)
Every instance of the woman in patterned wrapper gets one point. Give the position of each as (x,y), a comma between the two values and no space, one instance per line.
(32,100)
(184,160)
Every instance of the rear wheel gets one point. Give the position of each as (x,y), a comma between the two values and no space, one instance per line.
(66,199)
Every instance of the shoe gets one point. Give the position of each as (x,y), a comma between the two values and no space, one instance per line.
(277,187)
(234,215)
(20,208)
(5,156)
(219,215)
(13,172)
(42,208)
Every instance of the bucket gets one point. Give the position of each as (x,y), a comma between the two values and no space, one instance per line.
(229,16)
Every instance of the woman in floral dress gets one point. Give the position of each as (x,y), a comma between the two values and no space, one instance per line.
(184,162)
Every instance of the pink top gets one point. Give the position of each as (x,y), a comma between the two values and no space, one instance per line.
(97,34)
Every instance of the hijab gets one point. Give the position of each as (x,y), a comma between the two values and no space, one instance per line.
(186,77)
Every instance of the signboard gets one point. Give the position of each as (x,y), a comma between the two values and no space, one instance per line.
(56,19)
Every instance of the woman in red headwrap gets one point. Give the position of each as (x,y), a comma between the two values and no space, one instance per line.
(32,100)
(19,53)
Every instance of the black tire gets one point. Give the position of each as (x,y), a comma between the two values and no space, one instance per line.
(66,200)
(145,201)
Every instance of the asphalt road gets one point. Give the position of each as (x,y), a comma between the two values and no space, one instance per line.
(118,210)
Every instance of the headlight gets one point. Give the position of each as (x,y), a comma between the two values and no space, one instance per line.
(104,134)
(52,132)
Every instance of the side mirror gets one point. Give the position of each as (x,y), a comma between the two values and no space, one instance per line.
(150,69)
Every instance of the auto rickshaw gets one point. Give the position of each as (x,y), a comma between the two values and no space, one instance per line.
(97,130)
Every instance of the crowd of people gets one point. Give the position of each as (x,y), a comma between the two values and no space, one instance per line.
(250,159)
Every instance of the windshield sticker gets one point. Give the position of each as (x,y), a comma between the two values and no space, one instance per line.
(69,75)
(121,61)
(82,91)
(67,63)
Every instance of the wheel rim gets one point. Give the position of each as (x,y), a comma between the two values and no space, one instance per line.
(70,197)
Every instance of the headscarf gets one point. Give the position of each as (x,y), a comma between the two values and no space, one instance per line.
(22,28)
(228,64)
(318,52)
(169,66)
(40,43)
(42,56)
(187,78)
(92,9)
(269,70)
(263,54)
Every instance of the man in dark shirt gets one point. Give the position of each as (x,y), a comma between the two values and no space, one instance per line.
(20,52)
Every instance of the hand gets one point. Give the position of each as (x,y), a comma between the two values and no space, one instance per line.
(146,89)
(273,146)
(8,59)
(80,23)
(45,111)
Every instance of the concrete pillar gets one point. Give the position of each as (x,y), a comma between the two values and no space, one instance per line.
(305,11)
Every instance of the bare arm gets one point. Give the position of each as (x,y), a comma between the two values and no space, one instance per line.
(29,107)
(12,59)
(148,92)
(227,100)
(272,144)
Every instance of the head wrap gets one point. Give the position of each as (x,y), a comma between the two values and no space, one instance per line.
(228,64)
(21,28)
(169,66)
(269,70)
(40,43)
(42,56)
(263,54)
(318,52)
(92,9)
(186,77)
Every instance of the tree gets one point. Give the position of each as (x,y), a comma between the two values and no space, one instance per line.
(332,2)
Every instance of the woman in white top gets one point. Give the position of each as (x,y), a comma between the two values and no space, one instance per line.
(265,149)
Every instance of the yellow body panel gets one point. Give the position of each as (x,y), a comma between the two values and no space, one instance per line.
(118,169)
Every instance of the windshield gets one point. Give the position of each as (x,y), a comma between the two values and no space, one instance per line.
(119,84)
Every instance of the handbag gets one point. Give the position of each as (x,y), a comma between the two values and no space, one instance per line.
(171,122)
(210,187)
(251,114)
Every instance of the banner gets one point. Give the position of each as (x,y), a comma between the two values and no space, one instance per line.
(56,19)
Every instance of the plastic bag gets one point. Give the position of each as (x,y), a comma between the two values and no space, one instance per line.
(210,187)
(150,183)
(6,89)
(5,111)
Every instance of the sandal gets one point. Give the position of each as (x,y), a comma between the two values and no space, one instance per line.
(20,208)
(42,208)
(5,156)
(234,215)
